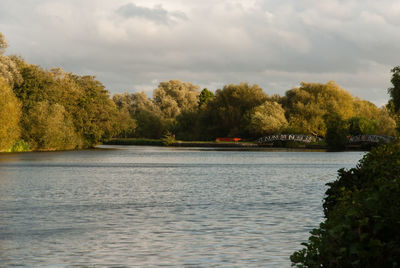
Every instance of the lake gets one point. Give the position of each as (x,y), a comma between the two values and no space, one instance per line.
(157,206)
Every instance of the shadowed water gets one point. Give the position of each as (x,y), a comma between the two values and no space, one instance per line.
(155,206)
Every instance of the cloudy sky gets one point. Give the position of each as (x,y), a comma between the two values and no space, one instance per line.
(132,45)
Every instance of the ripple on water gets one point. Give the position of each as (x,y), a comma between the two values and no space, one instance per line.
(147,206)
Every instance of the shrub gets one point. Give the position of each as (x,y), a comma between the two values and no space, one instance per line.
(362,216)
(20,146)
(168,139)
(336,133)
(362,126)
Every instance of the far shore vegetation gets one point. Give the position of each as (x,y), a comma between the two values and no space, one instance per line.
(57,110)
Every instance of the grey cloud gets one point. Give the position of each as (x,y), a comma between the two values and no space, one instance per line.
(157,14)
(275,44)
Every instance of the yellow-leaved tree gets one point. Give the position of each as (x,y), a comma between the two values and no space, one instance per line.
(52,127)
(267,118)
(308,106)
(10,114)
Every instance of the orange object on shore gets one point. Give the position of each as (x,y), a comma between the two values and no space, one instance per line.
(228,139)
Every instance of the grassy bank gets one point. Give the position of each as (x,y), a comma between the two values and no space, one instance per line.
(160,142)
(242,144)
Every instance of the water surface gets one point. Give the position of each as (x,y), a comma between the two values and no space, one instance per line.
(156,206)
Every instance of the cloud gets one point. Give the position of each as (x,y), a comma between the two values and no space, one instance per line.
(276,44)
(157,14)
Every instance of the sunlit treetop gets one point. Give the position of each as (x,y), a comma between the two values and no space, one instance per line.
(3,43)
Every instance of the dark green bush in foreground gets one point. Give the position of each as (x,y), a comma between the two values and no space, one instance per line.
(362,216)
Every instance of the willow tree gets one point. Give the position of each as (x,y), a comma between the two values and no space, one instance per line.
(174,96)
(307,106)
(267,118)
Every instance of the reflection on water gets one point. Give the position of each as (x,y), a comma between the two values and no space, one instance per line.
(149,206)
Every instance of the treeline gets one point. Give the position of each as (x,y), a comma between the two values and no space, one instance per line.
(245,111)
(51,110)
(55,110)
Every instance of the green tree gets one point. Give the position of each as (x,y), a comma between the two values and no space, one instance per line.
(336,133)
(394,91)
(205,96)
(362,219)
(149,117)
(187,126)
(385,123)
(10,113)
(362,126)
(85,100)
(226,112)
(126,124)
(267,118)
(51,128)
(124,101)
(96,120)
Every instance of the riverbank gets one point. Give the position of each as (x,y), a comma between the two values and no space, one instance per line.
(159,142)
(318,146)
(241,144)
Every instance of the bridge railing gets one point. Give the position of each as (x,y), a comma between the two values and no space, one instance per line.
(308,139)
(288,137)
(370,139)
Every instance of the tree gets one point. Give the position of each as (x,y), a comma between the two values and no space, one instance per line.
(187,126)
(386,123)
(173,97)
(8,67)
(3,44)
(336,132)
(366,109)
(394,91)
(51,128)
(96,117)
(149,117)
(362,126)
(226,112)
(267,118)
(10,113)
(362,219)
(205,96)
(307,106)
(124,101)
(126,124)
(85,101)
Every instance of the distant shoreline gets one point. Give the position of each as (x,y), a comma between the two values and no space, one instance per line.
(227,145)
